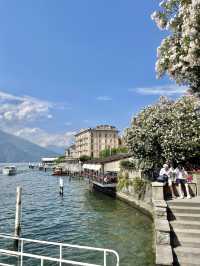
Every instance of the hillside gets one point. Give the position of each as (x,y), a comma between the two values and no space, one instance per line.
(15,149)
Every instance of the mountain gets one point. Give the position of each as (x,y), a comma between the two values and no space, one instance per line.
(15,149)
(56,149)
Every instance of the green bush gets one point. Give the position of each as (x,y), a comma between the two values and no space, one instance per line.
(85,158)
(128,165)
(139,186)
(60,159)
(109,152)
(123,181)
(137,183)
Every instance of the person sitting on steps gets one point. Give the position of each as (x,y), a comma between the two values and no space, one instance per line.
(172,179)
(167,174)
(181,176)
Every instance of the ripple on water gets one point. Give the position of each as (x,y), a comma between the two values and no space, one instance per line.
(80,217)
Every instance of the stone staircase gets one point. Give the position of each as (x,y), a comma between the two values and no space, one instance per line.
(184,218)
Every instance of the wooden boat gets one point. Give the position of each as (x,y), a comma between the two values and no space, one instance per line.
(9,170)
(40,166)
(58,171)
(31,166)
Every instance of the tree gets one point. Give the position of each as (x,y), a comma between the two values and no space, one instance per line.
(179,53)
(60,159)
(166,131)
(112,151)
(84,158)
(105,153)
(128,165)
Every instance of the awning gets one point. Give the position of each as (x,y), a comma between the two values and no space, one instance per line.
(48,160)
(95,167)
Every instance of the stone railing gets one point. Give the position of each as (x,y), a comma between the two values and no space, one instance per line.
(158,190)
(196,177)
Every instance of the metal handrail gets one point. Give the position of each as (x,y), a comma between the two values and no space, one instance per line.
(22,254)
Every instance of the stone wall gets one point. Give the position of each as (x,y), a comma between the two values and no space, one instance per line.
(152,202)
(114,166)
(164,256)
(142,201)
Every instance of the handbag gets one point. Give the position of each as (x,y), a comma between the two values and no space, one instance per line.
(189,178)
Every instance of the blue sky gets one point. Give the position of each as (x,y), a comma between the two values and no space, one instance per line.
(72,64)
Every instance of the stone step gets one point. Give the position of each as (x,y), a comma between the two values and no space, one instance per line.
(185,225)
(164,254)
(187,256)
(185,209)
(186,217)
(184,202)
(193,233)
(187,242)
(187,262)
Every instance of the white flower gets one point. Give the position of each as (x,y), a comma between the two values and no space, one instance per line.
(178,54)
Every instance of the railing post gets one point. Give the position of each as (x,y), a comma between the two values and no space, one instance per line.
(105,258)
(60,254)
(18,212)
(42,262)
(22,250)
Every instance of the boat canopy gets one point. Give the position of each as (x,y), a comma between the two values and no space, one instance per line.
(49,160)
(95,167)
(10,167)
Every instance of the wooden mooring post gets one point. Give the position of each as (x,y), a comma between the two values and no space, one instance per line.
(18,212)
(61,186)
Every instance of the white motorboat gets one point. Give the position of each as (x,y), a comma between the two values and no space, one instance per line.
(9,170)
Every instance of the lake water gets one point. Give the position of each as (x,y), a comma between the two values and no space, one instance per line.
(79,217)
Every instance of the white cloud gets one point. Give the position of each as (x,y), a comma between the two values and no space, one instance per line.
(45,139)
(165,90)
(19,113)
(104,98)
(23,109)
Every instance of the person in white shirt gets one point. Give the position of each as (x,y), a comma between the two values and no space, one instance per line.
(61,185)
(164,170)
(168,172)
(181,176)
(171,180)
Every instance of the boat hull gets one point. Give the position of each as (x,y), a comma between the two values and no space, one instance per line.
(110,191)
(9,172)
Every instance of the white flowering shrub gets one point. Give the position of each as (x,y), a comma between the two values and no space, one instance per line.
(166,131)
(179,53)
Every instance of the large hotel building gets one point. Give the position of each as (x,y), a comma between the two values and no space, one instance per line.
(92,141)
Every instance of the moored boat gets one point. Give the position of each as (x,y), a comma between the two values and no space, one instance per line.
(9,170)
(58,171)
(31,166)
